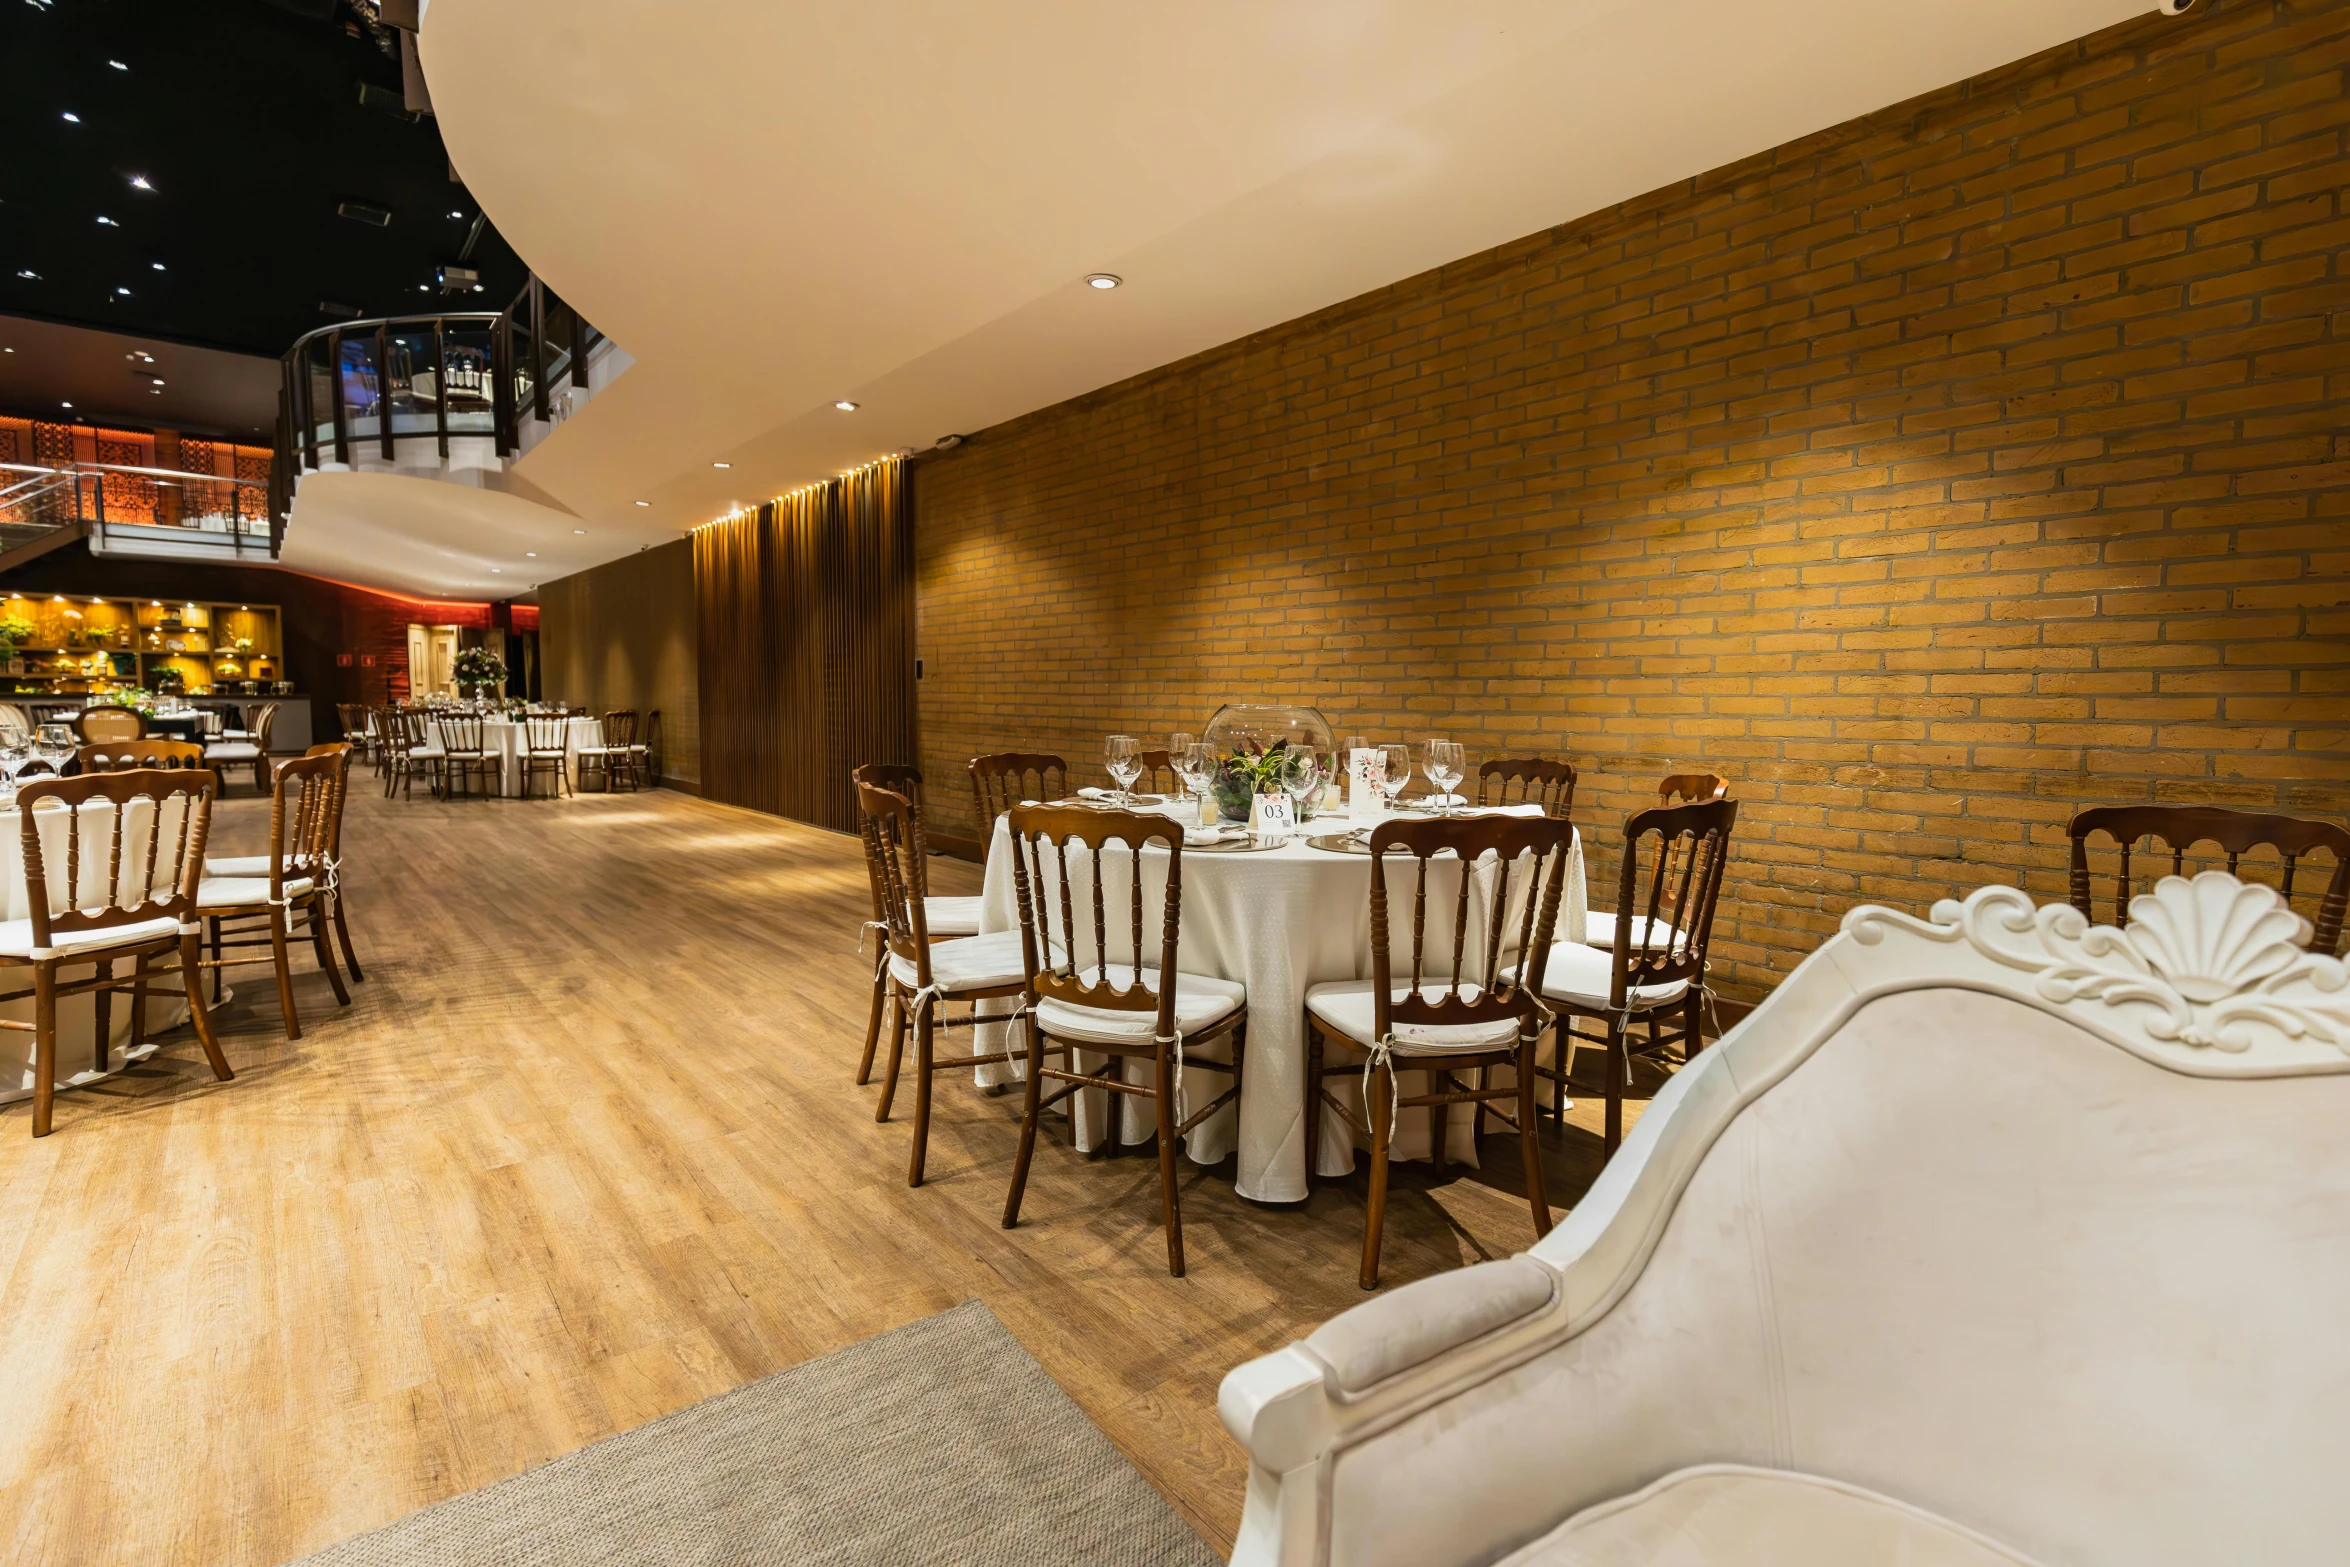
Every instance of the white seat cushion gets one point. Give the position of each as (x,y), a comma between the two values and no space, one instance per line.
(1727,1515)
(16,936)
(1580,976)
(1348,1006)
(221,892)
(973,963)
(239,865)
(231,751)
(1200,1002)
(1599,930)
(951,916)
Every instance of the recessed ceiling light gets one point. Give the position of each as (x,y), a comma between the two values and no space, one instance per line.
(1103,280)
(575,530)
(154,391)
(159,381)
(583,530)
(118,65)
(845,406)
(530,554)
(722,465)
(477,288)
(139,182)
(123,291)
(157,265)
(28,272)
(64,405)
(109,222)
(456,214)
(72,118)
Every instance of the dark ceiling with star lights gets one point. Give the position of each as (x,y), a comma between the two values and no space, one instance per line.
(185,171)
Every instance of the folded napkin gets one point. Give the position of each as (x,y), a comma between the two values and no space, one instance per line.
(1091,793)
(1202,834)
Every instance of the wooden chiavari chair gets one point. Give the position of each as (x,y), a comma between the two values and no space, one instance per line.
(924,976)
(2180,828)
(544,753)
(1691,788)
(641,749)
(614,759)
(104,721)
(1088,997)
(1158,774)
(258,910)
(465,755)
(121,755)
(226,747)
(1655,964)
(945,917)
(139,903)
(406,751)
(1528,780)
(358,728)
(1478,1014)
(1004,779)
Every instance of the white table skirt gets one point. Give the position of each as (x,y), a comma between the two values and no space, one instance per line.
(77,1016)
(1279,921)
(508,741)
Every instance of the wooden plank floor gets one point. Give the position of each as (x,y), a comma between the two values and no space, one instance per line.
(586,1149)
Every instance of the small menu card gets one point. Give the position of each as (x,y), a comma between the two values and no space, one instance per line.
(1366,771)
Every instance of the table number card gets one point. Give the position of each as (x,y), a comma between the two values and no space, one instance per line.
(1271,815)
(1366,772)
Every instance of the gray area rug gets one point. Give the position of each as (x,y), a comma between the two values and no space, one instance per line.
(943,1442)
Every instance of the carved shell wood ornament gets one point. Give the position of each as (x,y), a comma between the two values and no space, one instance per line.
(2211,964)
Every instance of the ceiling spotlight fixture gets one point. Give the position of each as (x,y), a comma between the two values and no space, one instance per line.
(722,465)
(118,65)
(583,530)
(27,272)
(139,182)
(154,391)
(1103,280)
(159,381)
(575,530)
(107,221)
(845,406)
(457,215)
(157,265)
(64,405)
(124,292)
(72,118)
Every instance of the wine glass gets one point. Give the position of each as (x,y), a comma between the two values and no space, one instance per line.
(1197,763)
(1445,765)
(1123,756)
(54,744)
(1302,778)
(1399,771)
(13,753)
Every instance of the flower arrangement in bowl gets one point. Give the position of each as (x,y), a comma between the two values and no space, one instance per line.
(478,667)
(1259,749)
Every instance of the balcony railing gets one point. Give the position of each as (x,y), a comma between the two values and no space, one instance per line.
(372,385)
(231,515)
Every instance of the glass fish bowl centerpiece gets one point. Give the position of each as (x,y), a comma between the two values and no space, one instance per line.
(1258,748)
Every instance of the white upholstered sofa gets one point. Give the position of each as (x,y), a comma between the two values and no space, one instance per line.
(1989,1238)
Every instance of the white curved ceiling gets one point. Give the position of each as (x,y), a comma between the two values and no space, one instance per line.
(773,205)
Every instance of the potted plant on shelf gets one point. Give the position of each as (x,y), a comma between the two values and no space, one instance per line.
(480,671)
(15,632)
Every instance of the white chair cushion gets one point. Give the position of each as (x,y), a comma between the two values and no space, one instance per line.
(1348,1006)
(1728,1515)
(16,936)
(1599,930)
(221,892)
(1580,976)
(973,963)
(239,865)
(231,751)
(1200,1001)
(951,916)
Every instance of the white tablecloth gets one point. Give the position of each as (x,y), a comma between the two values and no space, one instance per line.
(507,741)
(1279,921)
(77,1016)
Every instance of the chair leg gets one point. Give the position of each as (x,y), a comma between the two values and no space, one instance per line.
(1439,1116)
(1619,1069)
(102,1052)
(923,1032)
(1530,1139)
(192,981)
(285,971)
(898,1024)
(138,1005)
(1382,1132)
(873,1017)
(1566,1059)
(1031,1110)
(1693,1022)
(217,971)
(343,939)
(326,954)
(1170,1194)
(44,1045)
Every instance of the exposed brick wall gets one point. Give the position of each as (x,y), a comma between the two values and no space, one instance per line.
(1928,478)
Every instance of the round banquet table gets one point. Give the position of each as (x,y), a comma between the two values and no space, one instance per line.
(77,1016)
(507,741)
(1279,921)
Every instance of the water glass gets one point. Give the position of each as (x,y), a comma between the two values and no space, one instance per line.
(1446,764)
(1122,755)
(1197,763)
(1399,771)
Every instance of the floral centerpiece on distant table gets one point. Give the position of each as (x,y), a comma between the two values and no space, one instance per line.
(478,667)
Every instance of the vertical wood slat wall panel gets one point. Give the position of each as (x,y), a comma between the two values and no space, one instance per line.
(806,630)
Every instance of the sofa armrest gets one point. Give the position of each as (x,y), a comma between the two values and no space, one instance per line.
(1382,1338)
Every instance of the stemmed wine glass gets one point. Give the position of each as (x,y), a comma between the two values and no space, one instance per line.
(13,754)
(1197,763)
(1399,771)
(1445,764)
(54,744)
(1302,779)
(1123,756)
